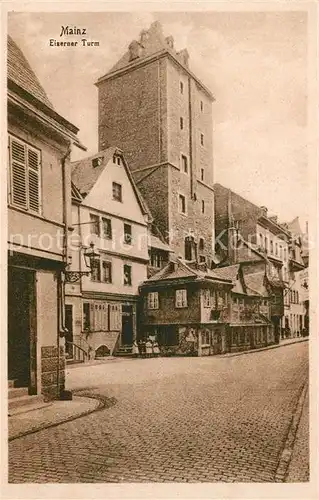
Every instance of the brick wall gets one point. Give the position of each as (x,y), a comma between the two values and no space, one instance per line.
(130,116)
(154,189)
(201,224)
(49,369)
(243,211)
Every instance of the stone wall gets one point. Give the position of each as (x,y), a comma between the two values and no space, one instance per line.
(49,371)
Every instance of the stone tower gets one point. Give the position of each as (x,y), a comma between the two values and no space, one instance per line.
(160,114)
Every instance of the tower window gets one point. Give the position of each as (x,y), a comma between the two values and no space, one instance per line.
(184,164)
(182,204)
(203,206)
(202,139)
(181,87)
(201,174)
(201,243)
(201,106)
(181,123)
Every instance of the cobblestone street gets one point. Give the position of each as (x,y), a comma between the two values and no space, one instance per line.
(184,420)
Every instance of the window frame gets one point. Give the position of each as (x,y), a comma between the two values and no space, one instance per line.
(109,265)
(184,162)
(182,302)
(153,301)
(127,241)
(128,266)
(97,224)
(27,169)
(106,236)
(180,197)
(98,267)
(116,185)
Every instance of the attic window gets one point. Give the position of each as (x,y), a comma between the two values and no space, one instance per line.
(116,159)
(96,162)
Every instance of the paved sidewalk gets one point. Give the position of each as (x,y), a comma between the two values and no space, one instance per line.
(58,412)
(282,343)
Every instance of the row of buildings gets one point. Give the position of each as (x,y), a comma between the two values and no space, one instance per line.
(136,240)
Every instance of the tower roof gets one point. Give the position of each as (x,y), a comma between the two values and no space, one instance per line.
(152,43)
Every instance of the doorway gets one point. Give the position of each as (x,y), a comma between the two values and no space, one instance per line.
(127,325)
(69,333)
(217,342)
(22,328)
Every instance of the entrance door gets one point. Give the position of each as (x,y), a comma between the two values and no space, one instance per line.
(22,328)
(217,342)
(69,333)
(127,325)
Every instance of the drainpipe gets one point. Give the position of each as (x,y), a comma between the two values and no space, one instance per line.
(61,282)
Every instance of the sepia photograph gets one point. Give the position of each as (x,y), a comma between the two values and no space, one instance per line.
(158,207)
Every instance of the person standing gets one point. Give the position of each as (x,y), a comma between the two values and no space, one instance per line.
(149,348)
(135,349)
(156,350)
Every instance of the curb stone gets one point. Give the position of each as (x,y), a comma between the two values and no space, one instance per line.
(287,450)
(103,403)
(252,351)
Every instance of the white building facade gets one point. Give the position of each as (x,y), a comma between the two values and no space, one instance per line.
(108,212)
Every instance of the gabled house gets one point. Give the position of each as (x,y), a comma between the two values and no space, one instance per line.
(246,234)
(193,310)
(39,217)
(185,307)
(108,212)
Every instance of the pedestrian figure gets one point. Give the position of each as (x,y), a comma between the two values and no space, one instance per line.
(143,349)
(149,348)
(135,349)
(156,350)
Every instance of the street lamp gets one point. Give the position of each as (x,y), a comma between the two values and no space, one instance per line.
(89,254)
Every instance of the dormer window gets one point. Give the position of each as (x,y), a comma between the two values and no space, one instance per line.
(96,162)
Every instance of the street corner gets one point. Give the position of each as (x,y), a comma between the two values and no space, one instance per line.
(53,414)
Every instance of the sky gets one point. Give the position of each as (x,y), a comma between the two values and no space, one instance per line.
(255,64)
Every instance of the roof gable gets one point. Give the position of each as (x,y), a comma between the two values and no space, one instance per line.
(94,177)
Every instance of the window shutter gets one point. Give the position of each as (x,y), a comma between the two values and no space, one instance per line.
(34,184)
(18,172)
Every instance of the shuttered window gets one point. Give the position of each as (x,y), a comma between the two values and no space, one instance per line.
(24,175)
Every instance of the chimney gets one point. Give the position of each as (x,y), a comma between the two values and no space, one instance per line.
(184,56)
(143,37)
(264,211)
(135,50)
(157,27)
(170,41)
